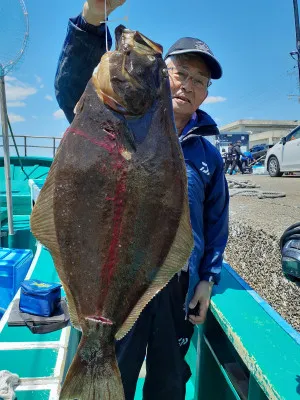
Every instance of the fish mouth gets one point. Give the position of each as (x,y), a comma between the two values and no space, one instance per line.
(127,39)
(99,318)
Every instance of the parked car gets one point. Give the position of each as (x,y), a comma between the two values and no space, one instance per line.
(259,150)
(284,156)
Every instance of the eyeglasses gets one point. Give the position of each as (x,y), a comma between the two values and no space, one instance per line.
(181,74)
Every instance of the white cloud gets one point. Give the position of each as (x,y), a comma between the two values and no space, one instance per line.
(9,78)
(17,90)
(48,97)
(214,99)
(16,104)
(15,118)
(59,114)
(38,79)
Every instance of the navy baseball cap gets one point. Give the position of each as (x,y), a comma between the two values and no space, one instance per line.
(192,45)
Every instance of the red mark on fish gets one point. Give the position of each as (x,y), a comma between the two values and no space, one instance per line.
(119,165)
(118,200)
(110,198)
(107,145)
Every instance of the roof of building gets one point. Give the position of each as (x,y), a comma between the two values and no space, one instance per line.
(261,123)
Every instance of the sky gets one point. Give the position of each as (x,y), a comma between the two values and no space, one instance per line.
(251,39)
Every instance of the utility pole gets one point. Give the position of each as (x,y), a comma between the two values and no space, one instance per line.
(297,53)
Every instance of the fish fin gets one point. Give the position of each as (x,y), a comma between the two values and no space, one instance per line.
(42,217)
(71,307)
(94,373)
(175,260)
(43,228)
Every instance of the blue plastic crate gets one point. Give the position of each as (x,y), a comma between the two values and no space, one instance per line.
(14,265)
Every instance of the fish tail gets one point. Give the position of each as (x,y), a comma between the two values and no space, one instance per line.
(94,373)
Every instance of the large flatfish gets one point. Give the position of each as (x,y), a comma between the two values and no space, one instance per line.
(114,210)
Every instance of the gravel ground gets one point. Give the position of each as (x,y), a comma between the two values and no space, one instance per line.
(253,247)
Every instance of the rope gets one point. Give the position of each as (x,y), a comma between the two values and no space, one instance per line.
(248,188)
(16,148)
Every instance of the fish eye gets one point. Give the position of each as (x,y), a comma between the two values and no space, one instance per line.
(151,58)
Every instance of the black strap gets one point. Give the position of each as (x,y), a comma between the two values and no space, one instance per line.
(45,325)
(44,328)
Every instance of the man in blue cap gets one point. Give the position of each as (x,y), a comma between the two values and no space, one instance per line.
(165,327)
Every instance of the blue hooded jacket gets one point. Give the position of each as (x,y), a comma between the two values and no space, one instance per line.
(207,188)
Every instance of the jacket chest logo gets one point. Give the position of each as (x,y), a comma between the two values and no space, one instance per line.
(205,169)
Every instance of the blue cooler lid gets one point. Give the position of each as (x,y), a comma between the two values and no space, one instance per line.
(34,286)
(11,257)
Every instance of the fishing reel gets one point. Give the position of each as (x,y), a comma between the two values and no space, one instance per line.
(290,253)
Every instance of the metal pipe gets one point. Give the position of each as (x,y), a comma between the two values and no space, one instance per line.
(296,12)
(37,137)
(25,145)
(297,27)
(6,153)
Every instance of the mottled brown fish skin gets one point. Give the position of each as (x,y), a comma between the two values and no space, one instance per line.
(117,215)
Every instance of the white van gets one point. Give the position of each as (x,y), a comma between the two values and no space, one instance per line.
(284,156)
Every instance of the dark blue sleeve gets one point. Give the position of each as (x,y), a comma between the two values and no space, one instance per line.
(82,50)
(196,195)
(215,224)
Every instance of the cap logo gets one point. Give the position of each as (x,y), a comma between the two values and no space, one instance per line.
(202,46)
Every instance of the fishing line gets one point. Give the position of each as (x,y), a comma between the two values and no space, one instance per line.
(126,17)
(106,21)
(106,28)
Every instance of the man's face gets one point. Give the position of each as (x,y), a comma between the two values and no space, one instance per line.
(189,81)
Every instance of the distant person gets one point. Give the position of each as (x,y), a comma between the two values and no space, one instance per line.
(224,155)
(229,158)
(237,153)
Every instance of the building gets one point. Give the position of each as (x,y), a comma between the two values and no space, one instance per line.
(261,131)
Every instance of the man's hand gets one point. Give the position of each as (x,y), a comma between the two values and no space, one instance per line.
(202,295)
(94,10)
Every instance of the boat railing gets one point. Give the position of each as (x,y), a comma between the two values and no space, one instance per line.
(27,144)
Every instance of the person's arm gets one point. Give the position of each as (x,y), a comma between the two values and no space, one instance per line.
(216,222)
(215,227)
(83,48)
